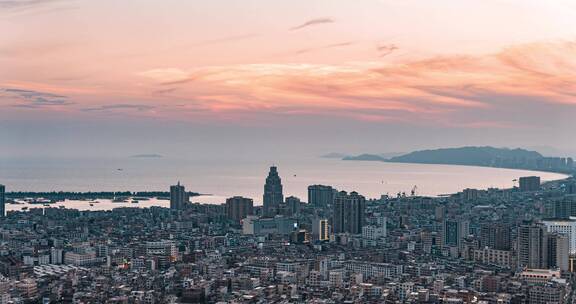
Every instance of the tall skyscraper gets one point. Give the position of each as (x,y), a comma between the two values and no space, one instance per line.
(558,251)
(532,246)
(272,192)
(2,201)
(454,231)
(238,208)
(320,196)
(178,197)
(496,236)
(349,213)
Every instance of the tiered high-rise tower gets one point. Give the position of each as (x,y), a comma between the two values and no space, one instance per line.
(273,195)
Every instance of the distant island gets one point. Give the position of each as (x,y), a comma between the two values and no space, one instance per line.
(366,157)
(372,157)
(479,156)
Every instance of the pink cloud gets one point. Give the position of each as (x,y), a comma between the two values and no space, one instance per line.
(455,90)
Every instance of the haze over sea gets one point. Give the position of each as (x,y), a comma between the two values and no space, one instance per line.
(229,177)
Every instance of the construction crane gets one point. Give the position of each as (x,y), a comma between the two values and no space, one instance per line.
(413,192)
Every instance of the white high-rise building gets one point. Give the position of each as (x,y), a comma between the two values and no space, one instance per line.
(566,227)
(373,232)
(56,256)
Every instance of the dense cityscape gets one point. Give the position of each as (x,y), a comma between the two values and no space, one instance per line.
(477,246)
(287,151)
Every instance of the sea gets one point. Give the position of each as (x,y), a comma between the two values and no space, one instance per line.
(218,179)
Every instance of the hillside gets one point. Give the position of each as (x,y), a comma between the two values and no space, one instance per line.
(474,156)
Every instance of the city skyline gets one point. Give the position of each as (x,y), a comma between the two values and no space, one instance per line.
(265,75)
(288,151)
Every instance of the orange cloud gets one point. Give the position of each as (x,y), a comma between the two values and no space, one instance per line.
(454,90)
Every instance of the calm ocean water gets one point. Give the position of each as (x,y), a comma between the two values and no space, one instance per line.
(225,178)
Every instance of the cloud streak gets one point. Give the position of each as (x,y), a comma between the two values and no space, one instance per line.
(312,22)
(518,87)
(467,91)
(225,39)
(34,99)
(325,47)
(111,107)
(24,4)
(386,49)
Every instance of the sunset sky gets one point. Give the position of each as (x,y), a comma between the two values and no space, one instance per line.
(233,77)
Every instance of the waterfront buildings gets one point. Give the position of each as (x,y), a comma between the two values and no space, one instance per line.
(178,197)
(405,249)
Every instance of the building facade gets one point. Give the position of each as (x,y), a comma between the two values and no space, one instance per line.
(320,196)
(178,197)
(349,213)
(238,208)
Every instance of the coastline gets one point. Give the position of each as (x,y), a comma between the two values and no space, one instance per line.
(461,177)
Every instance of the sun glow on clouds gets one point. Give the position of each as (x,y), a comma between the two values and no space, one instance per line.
(309,59)
(456,90)
(432,89)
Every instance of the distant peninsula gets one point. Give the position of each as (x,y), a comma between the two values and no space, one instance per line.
(479,156)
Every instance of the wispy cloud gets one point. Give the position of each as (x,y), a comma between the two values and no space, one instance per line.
(329,46)
(225,39)
(312,22)
(133,107)
(25,4)
(164,91)
(516,87)
(468,91)
(386,49)
(34,99)
(167,75)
